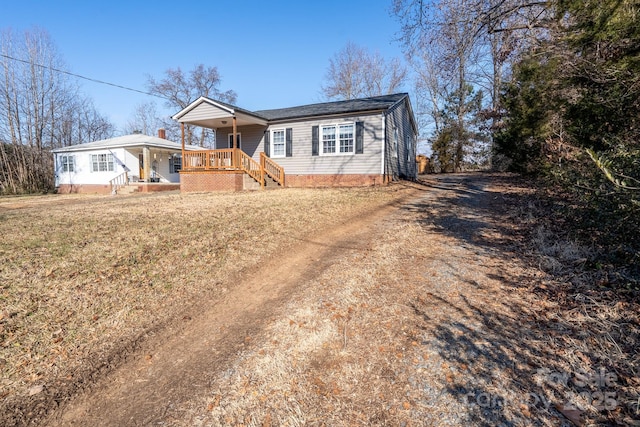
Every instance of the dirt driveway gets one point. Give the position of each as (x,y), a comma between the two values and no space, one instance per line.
(424,313)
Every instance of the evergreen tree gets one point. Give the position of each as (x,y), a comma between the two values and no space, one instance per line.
(461,141)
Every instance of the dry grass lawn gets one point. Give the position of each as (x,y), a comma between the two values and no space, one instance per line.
(83,276)
(462,305)
(456,314)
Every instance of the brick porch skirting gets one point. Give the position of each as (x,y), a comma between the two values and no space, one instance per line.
(154,188)
(210,181)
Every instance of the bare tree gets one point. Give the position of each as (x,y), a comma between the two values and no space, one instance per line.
(79,122)
(441,38)
(455,44)
(40,109)
(180,90)
(430,88)
(146,119)
(354,72)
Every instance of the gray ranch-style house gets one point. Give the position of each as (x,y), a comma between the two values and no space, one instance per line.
(358,142)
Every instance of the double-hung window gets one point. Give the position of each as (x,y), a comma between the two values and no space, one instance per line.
(278,143)
(328,139)
(338,139)
(67,163)
(346,133)
(102,163)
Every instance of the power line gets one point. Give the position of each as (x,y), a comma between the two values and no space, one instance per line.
(47,67)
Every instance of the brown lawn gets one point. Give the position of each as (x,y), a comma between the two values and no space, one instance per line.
(447,303)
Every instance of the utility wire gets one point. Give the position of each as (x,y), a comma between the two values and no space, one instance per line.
(79,76)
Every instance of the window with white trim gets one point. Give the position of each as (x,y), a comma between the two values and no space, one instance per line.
(102,163)
(68,163)
(338,139)
(346,138)
(278,143)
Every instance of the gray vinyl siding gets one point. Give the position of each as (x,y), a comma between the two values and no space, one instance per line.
(303,163)
(404,164)
(377,125)
(204,112)
(252,138)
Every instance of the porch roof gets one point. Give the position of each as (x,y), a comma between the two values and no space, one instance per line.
(207,113)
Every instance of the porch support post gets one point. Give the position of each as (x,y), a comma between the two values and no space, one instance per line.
(146,159)
(182,132)
(183,160)
(235,143)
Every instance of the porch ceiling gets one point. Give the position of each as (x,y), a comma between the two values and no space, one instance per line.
(224,121)
(205,112)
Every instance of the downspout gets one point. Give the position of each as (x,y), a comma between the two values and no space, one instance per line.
(384,146)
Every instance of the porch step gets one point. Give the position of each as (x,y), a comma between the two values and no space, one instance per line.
(249,183)
(270,184)
(253,185)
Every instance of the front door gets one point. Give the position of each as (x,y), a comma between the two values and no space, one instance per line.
(141,163)
(235,145)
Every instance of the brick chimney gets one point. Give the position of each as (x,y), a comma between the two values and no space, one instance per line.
(162,133)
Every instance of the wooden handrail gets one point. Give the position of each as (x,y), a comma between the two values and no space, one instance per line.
(233,159)
(250,166)
(272,169)
(210,160)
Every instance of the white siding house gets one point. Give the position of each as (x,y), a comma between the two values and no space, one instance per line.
(147,162)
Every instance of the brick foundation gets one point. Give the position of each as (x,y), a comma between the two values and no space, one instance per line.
(339,180)
(154,188)
(106,189)
(84,188)
(210,181)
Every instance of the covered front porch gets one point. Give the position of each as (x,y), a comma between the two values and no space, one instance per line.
(239,148)
(233,160)
(152,165)
(145,169)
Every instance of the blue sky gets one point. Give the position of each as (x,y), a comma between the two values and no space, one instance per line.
(271,53)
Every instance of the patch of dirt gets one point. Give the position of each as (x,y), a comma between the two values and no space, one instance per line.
(183,362)
(444,309)
(86,281)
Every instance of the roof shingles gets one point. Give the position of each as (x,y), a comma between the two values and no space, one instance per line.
(338,107)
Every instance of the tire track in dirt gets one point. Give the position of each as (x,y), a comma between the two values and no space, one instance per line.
(183,362)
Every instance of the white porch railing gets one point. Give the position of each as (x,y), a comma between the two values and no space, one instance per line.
(118,182)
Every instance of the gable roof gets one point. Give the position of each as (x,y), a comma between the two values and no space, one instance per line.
(133,140)
(220,110)
(375,103)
